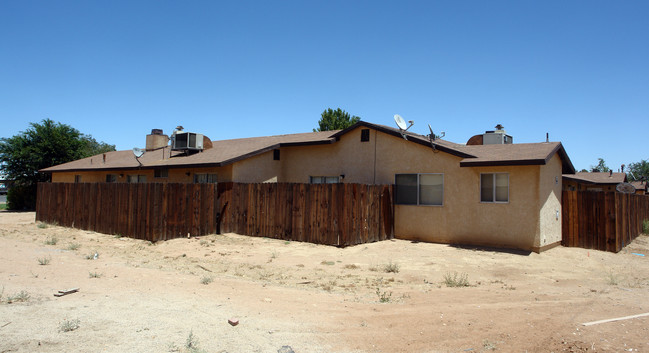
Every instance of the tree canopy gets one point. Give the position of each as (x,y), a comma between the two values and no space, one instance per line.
(638,171)
(335,120)
(43,145)
(600,167)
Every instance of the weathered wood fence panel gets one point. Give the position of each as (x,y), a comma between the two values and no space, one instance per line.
(606,221)
(333,214)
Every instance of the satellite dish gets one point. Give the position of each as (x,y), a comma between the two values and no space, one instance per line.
(400,122)
(625,188)
(138,152)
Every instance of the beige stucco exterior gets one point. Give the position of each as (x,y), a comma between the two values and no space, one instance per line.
(530,219)
(175,175)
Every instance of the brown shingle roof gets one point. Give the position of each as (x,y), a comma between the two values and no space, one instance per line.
(597,178)
(222,153)
(225,152)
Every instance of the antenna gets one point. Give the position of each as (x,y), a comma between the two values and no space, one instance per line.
(138,152)
(401,123)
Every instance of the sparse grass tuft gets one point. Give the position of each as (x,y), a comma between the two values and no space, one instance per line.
(488,345)
(51,241)
(69,325)
(74,246)
(391,267)
(41,225)
(207,280)
(94,274)
(325,262)
(92,256)
(351,266)
(204,242)
(384,297)
(455,280)
(21,296)
(612,279)
(44,261)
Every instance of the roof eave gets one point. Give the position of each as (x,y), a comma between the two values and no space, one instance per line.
(398,134)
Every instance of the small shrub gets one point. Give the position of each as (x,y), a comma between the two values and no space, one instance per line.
(207,280)
(94,274)
(192,342)
(51,241)
(41,225)
(351,266)
(92,256)
(391,267)
(69,325)
(384,297)
(117,235)
(44,261)
(645,226)
(456,280)
(21,296)
(74,246)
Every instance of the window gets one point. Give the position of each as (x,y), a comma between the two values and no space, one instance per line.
(419,189)
(494,187)
(77,178)
(204,178)
(111,178)
(365,135)
(324,179)
(136,178)
(161,173)
(276,155)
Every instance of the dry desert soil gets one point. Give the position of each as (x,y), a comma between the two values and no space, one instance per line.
(390,296)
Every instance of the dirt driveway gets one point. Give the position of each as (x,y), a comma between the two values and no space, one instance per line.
(390,296)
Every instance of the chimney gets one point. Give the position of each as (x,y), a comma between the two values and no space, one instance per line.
(156,140)
(610,173)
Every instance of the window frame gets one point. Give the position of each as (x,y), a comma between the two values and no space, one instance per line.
(139,179)
(210,178)
(493,188)
(161,173)
(111,178)
(324,179)
(418,203)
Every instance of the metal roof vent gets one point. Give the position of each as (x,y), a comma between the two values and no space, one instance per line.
(497,137)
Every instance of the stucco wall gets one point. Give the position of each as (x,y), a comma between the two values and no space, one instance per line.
(550,185)
(176,175)
(258,169)
(462,218)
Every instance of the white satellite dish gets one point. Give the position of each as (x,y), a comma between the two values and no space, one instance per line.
(401,123)
(625,188)
(138,152)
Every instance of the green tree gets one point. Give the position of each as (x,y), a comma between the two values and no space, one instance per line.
(600,167)
(42,145)
(335,120)
(638,171)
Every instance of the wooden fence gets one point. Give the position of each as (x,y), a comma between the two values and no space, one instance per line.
(606,221)
(332,214)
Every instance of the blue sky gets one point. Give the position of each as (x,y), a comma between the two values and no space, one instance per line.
(578,70)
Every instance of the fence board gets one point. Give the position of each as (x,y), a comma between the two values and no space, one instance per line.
(602,220)
(333,214)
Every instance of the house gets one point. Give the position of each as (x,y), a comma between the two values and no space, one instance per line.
(641,187)
(593,181)
(488,192)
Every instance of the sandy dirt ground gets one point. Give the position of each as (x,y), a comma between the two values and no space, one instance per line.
(389,296)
